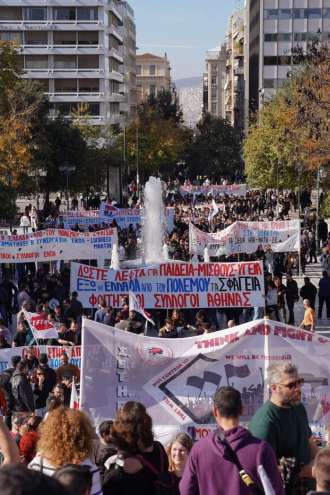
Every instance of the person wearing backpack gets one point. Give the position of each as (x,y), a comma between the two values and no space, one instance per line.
(5,384)
(229,459)
(141,464)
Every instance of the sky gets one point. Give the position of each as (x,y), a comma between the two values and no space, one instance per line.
(184,29)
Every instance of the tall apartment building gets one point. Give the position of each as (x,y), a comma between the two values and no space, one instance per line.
(234,82)
(129,89)
(153,74)
(215,81)
(75,49)
(273,28)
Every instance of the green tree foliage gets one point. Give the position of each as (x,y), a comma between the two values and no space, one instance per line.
(156,139)
(215,150)
(290,138)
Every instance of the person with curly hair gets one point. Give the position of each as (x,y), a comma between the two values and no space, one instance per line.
(140,459)
(65,437)
(177,452)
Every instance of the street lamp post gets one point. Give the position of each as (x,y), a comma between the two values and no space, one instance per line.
(319,176)
(67,169)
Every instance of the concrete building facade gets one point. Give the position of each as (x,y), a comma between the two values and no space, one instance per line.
(215,76)
(153,74)
(273,28)
(75,49)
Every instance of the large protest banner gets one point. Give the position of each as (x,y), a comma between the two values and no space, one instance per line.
(130,216)
(245,237)
(177,378)
(173,285)
(215,189)
(54,354)
(82,218)
(57,244)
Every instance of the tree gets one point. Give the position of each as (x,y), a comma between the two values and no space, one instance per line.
(166,105)
(215,150)
(290,139)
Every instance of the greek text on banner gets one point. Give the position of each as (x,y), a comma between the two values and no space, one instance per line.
(173,285)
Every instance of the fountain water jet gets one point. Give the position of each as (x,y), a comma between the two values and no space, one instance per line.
(154,222)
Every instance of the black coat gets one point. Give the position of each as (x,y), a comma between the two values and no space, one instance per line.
(22,392)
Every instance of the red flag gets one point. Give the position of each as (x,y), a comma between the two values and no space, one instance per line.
(40,326)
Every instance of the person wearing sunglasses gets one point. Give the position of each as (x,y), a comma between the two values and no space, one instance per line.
(282,421)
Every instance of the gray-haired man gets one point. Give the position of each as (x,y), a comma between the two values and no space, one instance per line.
(282,421)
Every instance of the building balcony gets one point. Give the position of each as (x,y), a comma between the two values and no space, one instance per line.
(75,97)
(62,49)
(113,31)
(112,7)
(116,76)
(51,25)
(113,53)
(116,98)
(53,3)
(39,73)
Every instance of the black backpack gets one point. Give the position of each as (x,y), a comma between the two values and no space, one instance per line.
(165,483)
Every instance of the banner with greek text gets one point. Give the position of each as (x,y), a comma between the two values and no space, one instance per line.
(245,237)
(215,190)
(57,244)
(130,216)
(54,354)
(82,218)
(176,378)
(173,285)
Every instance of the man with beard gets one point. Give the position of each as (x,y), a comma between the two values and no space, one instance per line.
(282,421)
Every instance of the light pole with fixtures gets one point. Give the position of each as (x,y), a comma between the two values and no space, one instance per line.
(67,169)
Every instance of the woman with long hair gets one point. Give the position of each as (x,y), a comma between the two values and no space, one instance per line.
(177,452)
(140,460)
(65,437)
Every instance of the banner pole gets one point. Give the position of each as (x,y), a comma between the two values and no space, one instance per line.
(81,388)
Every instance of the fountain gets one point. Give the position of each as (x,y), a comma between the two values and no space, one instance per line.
(115,261)
(154,222)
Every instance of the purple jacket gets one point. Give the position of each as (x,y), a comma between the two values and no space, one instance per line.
(208,472)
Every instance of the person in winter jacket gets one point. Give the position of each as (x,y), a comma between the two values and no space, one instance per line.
(21,389)
(216,462)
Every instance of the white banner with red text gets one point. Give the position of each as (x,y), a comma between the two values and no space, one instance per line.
(172,285)
(176,378)
(54,354)
(57,244)
(245,237)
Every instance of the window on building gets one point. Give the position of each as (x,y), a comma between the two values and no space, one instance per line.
(213,81)
(113,64)
(214,108)
(271,14)
(65,38)
(114,108)
(35,13)
(10,14)
(284,37)
(65,85)
(138,70)
(214,94)
(152,70)
(88,38)
(114,86)
(36,38)
(270,60)
(94,109)
(285,13)
(284,60)
(270,83)
(88,61)
(36,62)
(270,37)
(326,13)
(300,37)
(89,85)
(64,13)
(11,36)
(298,13)
(87,14)
(65,62)
(152,90)
(313,13)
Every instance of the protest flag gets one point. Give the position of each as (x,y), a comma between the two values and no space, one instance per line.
(214,211)
(239,371)
(74,399)
(41,328)
(134,305)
